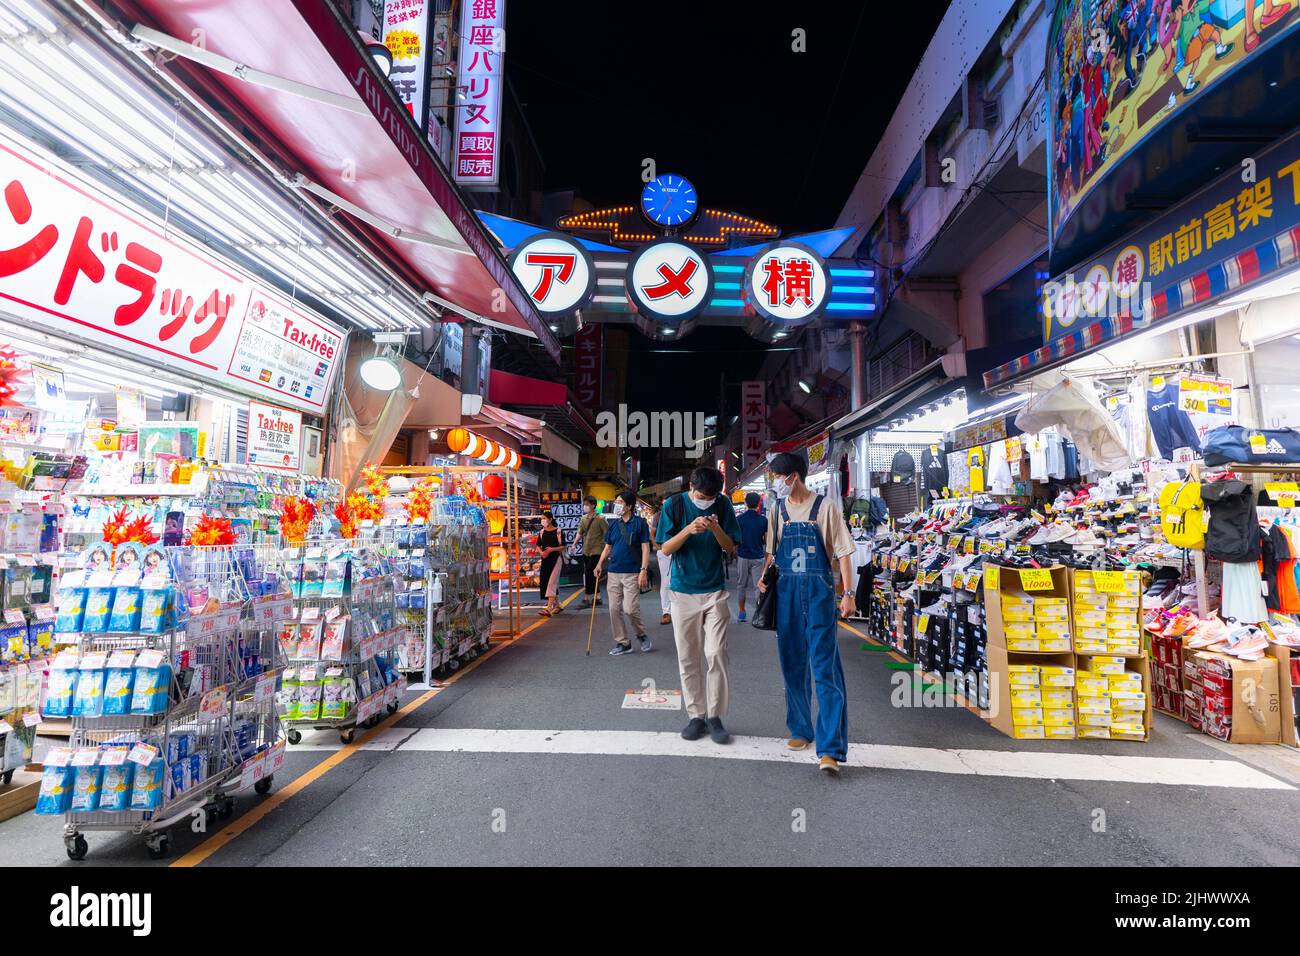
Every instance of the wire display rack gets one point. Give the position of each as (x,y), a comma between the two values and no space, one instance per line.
(210,729)
(342,639)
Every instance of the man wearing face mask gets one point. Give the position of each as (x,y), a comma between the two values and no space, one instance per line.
(698,529)
(591,532)
(627,549)
(808,539)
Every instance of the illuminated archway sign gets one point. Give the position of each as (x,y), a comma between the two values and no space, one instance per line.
(787,283)
(669,281)
(556,272)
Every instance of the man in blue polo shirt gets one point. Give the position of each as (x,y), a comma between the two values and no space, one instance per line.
(697,528)
(627,551)
(751,553)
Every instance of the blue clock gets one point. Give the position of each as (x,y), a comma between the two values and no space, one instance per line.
(670,200)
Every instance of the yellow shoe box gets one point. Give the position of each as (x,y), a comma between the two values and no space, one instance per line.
(1026,697)
(1093,685)
(1085,645)
(1095,720)
(1019,631)
(1028,732)
(1104,664)
(1090,618)
(1129,601)
(1057,696)
(1128,633)
(1091,600)
(1094,706)
(1052,629)
(1058,717)
(1128,731)
(1053,675)
(1027,716)
(1129,680)
(1017,615)
(1057,644)
(1022,644)
(1059,733)
(1121,621)
(1100,733)
(1022,678)
(1128,700)
(1052,612)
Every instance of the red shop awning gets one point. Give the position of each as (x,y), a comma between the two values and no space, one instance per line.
(373,158)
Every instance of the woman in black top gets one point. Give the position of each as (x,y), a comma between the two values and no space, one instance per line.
(551,543)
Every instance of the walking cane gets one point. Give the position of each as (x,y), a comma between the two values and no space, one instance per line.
(591,625)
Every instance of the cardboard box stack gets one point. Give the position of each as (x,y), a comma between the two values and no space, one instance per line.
(1107,612)
(1167,675)
(1233,700)
(1042,701)
(1037,623)
(1112,699)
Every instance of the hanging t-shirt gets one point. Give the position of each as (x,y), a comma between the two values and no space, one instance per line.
(999,472)
(1276,549)
(1170,426)
(1037,446)
(1055,456)
(934,470)
(975,461)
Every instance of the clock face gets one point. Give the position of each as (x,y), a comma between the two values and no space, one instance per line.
(669,200)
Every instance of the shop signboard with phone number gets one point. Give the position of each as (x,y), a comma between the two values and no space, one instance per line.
(76,261)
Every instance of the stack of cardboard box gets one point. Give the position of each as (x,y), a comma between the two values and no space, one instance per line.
(1112,702)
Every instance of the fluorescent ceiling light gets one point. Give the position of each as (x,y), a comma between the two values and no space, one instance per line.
(805,386)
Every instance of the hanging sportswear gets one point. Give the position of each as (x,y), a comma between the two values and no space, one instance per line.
(1073,407)
(934,470)
(975,459)
(1170,426)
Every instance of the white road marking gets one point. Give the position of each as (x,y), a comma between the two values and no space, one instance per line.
(1172,771)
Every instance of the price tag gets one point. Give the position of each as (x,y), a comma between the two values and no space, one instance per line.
(43,612)
(1036,579)
(156,581)
(113,757)
(1109,582)
(31,718)
(275,757)
(307,674)
(94,662)
(972,582)
(13,616)
(992,576)
(149,659)
(85,757)
(26,561)
(214,702)
(264,689)
(58,757)
(143,754)
(924,624)
(310,614)
(1284,493)
(101,579)
(333,612)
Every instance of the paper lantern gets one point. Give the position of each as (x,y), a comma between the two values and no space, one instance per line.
(399,484)
(501,457)
(493,486)
(512,460)
(496,520)
(489,451)
(477,443)
(458,440)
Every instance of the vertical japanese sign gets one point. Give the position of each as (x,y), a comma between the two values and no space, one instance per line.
(406,33)
(274,437)
(753,418)
(480,81)
(590,345)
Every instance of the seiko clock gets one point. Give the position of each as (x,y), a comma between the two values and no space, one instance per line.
(670,201)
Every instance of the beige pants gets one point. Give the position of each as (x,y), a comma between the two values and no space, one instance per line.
(624,598)
(700,628)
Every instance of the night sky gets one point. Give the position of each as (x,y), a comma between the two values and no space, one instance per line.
(712,90)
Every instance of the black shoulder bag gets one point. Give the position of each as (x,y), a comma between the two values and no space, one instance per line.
(765,614)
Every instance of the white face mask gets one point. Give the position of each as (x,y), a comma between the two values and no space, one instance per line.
(704,504)
(783,487)
(619,508)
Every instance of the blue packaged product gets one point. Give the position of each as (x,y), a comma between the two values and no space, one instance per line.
(155,611)
(60,690)
(88,701)
(179,746)
(150,693)
(86,786)
(198,765)
(118,684)
(146,789)
(13,642)
(99,607)
(55,795)
(72,610)
(125,616)
(115,787)
(40,638)
(180,776)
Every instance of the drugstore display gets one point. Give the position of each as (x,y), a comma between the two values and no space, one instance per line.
(342,638)
(169,676)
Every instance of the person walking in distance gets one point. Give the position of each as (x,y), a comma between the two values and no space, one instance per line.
(697,529)
(807,538)
(627,553)
(551,545)
(591,532)
(665,561)
(750,553)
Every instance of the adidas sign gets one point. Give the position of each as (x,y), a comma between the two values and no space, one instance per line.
(1274,447)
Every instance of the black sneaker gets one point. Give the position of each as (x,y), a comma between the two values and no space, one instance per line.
(718,732)
(645,643)
(618,649)
(696,729)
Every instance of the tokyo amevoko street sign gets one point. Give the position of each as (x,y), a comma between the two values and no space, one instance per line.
(787,283)
(555,271)
(669,281)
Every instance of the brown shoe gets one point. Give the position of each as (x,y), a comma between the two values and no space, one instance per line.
(796,743)
(829,764)
(666,619)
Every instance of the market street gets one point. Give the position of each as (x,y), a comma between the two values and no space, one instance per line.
(608,785)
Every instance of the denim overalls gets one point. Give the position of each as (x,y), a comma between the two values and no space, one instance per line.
(806,622)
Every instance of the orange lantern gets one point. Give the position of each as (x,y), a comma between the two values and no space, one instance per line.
(476,445)
(500,458)
(489,450)
(512,461)
(458,439)
(493,487)
(496,520)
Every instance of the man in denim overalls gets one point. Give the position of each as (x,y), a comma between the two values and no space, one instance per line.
(806,618)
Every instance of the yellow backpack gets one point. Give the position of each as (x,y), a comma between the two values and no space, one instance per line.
(1182,514)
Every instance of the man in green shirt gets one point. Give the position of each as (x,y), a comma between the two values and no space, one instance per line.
(698,528)
(591,531)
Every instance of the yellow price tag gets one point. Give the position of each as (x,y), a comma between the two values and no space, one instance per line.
(1036,579)
(1157,381)
(924,624)
(992,576)
(1109,582)
(1284,493)
(969,547)
(1258,443)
